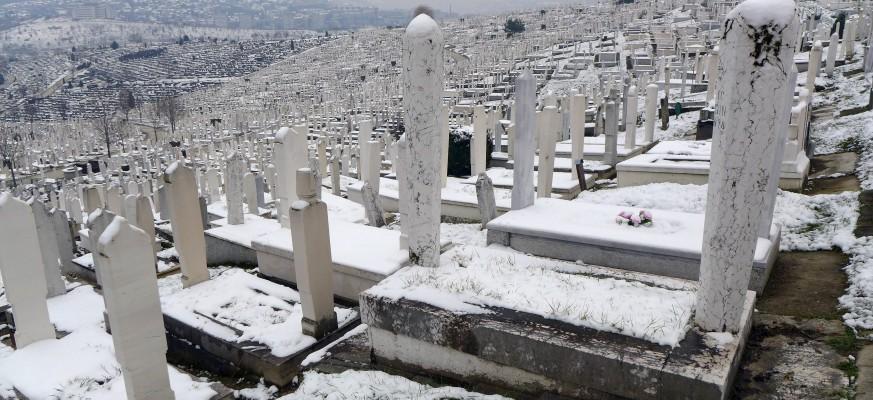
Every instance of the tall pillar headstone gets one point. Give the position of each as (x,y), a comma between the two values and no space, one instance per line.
(260,187)
(485,198)
(444,144)
(651,111)
(48,245)
(403,196)
(422,59)
(630,129)
(23,273)
(814,66)
(849,39)
(833,45)
(578,104)
(712,74)
(91,197)
(750,113)
(371,165)
(75,210)
(313,265)
(291,155)
(64,238)
(213,182)
(478,145)
(610,150)
(548,125)
(524,149)
(114,200)
(130,292)
(321,153)
(372,206)
(335,174)
(234,189)
(250,191)
(187,224)
(143,218)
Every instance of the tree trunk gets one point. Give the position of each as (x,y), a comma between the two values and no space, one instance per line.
(106,136)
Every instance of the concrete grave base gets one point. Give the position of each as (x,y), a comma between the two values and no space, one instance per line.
(276,263)
(187,344)
(665,168)
(222,251)
(83,268)
(531,354)
(448,208)
(628,256)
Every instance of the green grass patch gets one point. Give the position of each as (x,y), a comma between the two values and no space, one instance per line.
(849,368)
(850,145)
(844,344)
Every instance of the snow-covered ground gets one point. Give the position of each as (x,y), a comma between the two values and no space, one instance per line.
(374,385)
(850,133)
(80,365)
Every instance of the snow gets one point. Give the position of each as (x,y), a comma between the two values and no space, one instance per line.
(456,190)
(260,392)
(762,12)
(503,178)
(809,223)
(252,227)
(473,279)
(679,127)
(111,231)
(422,25)
(239,307)
(468,234)
(374,385)
(850,133)
(81,364)
(820,222)
(80,308)
(357,246)
(858,300)
(673,232)
(683,147)
(168,253)
(719,339)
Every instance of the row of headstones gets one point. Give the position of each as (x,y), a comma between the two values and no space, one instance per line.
(129,283)
(124,260)
(754,105)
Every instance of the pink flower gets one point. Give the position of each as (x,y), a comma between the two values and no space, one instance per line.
(624,214)
(646,215)
(635,220)
(619,220)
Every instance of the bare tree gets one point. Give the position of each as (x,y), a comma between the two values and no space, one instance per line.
(423,9)
(171,109)
(104,123)
(10,147)
(126,102)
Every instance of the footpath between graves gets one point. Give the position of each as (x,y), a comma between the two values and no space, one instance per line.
(799,347)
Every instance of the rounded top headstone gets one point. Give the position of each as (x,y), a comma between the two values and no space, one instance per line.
(422,26)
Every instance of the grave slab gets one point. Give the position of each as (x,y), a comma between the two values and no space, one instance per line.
(423,319)
(362,256)
(688,162)
(237,323)
(578,231)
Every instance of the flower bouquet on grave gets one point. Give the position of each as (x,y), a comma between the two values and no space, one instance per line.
(643,218)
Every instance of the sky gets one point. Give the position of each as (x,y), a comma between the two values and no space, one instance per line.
(473,6)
